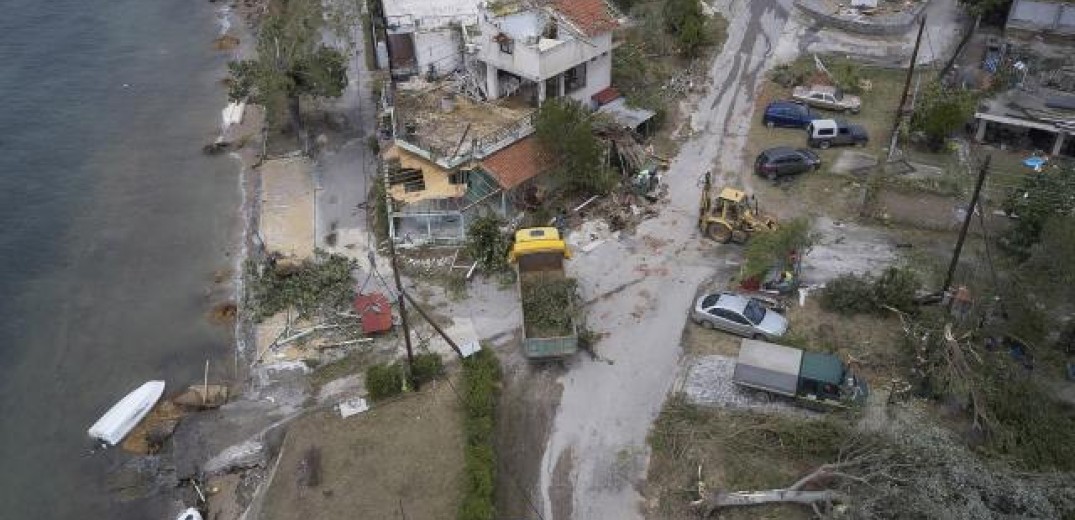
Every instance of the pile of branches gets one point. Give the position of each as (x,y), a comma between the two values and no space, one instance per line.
(311,287)
(548,305)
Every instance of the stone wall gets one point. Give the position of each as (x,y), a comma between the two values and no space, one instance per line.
(823,12)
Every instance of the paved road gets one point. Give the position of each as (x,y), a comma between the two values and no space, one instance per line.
(596,455)
(342,173)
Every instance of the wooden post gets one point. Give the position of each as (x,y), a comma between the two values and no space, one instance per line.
(906,87)
(205,384)
(402,306)
(966,224)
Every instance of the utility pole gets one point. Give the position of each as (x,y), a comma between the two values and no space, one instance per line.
(432,323)
(966,224)
(906,88)
(402,306)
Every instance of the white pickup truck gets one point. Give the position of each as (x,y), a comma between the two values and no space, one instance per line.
(826,97)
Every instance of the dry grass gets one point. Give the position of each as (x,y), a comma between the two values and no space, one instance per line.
(737,451)
(404,457)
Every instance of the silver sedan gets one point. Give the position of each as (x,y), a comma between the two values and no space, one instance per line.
(739,315)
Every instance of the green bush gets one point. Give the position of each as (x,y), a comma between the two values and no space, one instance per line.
(1034,428)
(849,294)
(858,294)
(488,244)
(896,288)
(427,367)
(481,379)
(384,381)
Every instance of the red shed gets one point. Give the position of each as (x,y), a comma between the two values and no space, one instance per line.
(376,312)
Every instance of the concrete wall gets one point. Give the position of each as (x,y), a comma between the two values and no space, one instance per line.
(440,48)
(884,24)
(538,62)
(598,78)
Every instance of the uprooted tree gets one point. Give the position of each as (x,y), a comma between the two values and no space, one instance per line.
(292,63)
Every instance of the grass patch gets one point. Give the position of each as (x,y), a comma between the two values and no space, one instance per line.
(481,383)
(384,381)
(342,367)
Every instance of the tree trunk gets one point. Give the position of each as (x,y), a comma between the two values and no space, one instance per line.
(294,111)
(717,501)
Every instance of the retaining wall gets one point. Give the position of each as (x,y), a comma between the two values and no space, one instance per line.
(887,24)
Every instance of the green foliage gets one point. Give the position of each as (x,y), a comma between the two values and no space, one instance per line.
(940,111)
(427,367)
(547,306)
(481,381)
(380,208)
(565,129)
(1034,428)
(849,294)
(487,243)
(1040,198)
(291,62)
(318,285)
(767,249)
(858,294)
(848,76)
(383,381)
(896,288)
(685,20)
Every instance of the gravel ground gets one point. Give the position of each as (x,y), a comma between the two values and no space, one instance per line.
(707,381)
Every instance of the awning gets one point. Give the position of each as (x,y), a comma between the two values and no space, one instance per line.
(629,117)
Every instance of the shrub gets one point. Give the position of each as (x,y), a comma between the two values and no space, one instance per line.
(481,378)
(849,294)
(384,381)
(427,367)
(857,294)
(488,244)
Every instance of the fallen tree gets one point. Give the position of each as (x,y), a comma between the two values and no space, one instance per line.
(860,461)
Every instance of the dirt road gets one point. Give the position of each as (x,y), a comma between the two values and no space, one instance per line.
(596,455)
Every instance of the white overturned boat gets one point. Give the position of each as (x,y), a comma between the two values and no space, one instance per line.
(118,421)
(189,514)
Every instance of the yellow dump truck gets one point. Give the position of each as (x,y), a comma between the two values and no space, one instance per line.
(550,328)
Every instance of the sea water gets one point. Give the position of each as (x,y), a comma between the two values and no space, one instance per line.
(114,231)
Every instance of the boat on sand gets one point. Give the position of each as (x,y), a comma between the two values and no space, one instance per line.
(189,514)
(118,421)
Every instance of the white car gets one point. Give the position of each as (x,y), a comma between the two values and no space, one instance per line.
(739,315)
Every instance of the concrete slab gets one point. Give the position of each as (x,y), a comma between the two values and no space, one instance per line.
(287,207)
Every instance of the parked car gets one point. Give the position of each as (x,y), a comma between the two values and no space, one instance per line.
(824,133)
(829,98)
(788,114)
(782,160)
(739,315)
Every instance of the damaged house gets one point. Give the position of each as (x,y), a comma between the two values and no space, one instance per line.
(1037,110)
(462,125)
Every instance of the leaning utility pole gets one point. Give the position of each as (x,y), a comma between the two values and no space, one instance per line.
(448,339)
(906,88)
(966,224)
(402,305)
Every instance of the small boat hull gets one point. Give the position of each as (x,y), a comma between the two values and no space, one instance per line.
(189,514)
(118,421)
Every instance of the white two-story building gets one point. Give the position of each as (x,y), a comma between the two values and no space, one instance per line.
(542,50)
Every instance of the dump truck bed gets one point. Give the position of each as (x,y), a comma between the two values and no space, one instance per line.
(539,268)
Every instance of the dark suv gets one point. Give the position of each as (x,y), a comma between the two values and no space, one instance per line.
(787,113)
(780,161)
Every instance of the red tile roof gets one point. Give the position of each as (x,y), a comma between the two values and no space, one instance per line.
(606,96)
(516,164)
(592,17)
